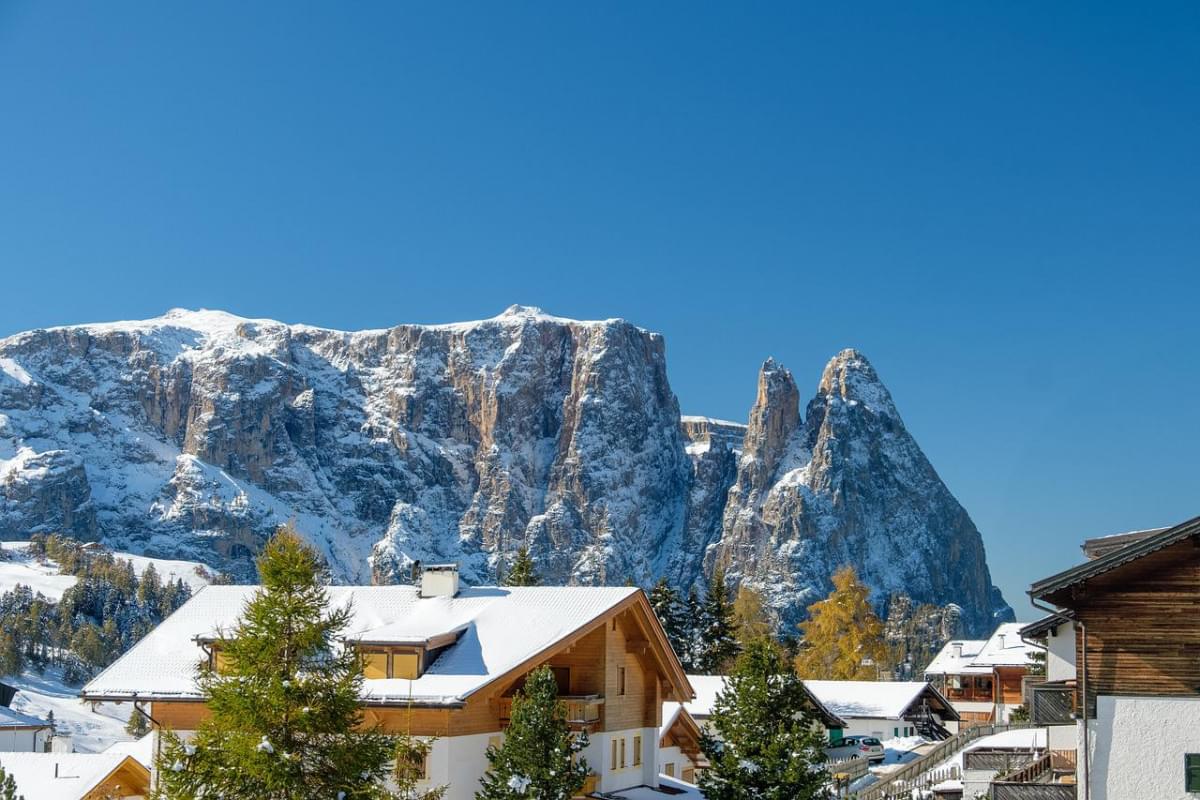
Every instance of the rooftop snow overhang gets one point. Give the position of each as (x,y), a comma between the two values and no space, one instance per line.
(1054,587)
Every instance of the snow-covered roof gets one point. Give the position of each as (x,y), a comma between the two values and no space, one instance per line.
(141,749)
(870,699)
(956,657)
(14,719)
(1004,648)
(501,628)
(707,687)
(59,776)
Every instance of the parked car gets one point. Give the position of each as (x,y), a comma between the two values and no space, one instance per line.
(867,747)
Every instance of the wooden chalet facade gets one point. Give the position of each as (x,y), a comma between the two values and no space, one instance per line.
(1137,660)
(613,663)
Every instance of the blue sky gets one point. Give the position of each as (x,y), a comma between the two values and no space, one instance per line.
(999,205)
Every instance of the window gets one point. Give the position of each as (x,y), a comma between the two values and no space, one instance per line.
(614,754)
(219,661)
(637,751)
(669,769)
(406,665)
(375,664)
(623,752)
(620,680)
(1191,773)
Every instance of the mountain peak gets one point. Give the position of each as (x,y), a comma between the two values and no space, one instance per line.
(850,377)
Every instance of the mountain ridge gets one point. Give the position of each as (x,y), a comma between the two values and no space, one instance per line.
(194,433)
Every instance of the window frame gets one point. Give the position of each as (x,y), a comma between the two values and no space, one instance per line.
(637,750)
(1191,773)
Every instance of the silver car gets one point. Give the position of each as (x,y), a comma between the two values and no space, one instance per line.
(867,747)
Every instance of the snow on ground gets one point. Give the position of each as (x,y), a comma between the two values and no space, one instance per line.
(91,731)
(903,749)
(20,568)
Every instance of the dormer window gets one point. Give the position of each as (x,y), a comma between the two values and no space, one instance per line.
(393,662)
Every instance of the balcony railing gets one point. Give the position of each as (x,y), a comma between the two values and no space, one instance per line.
(584,712)
(1052,704)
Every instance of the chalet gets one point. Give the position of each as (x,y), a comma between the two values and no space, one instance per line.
(23,733)
(886,709)
(445,662)
(1136,689)
(77,776)
(983,678)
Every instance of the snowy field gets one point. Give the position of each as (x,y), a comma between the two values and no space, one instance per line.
(19,568)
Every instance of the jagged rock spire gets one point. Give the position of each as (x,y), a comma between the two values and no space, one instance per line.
(774,417)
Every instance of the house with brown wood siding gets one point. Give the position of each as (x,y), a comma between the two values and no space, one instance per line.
(983,679)
(444,661)
(1136,689)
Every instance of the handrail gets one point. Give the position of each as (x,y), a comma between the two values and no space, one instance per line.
(1028,773)
(939,753)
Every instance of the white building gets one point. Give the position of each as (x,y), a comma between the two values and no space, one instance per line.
(886,709)
(22,733)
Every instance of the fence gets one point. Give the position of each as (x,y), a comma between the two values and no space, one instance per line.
(916,775)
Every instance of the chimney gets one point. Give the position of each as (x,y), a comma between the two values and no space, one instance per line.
(956,649)
(439,580)
(1001,640)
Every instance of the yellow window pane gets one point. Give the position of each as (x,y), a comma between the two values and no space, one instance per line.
(405,665)
(221,662)
(669,769)
(375,665)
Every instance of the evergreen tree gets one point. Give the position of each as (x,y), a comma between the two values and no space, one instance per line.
(411,756)
(693,620)
(672,615)
(522,572)
(8,787)
(11,660)
(150,587)
(538,756)
(138,726)
(843,638)
(764,745)
(718,645)
(285,719)
(750,617)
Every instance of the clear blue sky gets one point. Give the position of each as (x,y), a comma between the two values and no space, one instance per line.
(999,205)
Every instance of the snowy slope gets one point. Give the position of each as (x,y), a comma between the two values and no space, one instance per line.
(19,568)
(91,731)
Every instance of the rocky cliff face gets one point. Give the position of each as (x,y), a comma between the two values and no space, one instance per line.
(195,434)
(847,484)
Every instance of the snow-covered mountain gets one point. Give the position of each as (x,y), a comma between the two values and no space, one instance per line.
(194,434)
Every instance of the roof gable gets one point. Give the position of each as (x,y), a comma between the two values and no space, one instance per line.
(1055,588)
(878,699)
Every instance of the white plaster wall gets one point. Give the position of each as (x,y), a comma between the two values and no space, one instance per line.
(21,741)
(1061,737)
(1137,744)
(1060,654)
(599,758)
(674,755)
(869,726)
(458,762)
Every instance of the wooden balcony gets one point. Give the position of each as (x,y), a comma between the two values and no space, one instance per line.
(584,712)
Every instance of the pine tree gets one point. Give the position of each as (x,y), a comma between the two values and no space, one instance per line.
(750,616)
(285,720)
(718,645)
(538,756)
(412,754)
(763,745)
(522,572)
(138,726)
(8,787)
(150,587)
(843,638)
(672,615)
